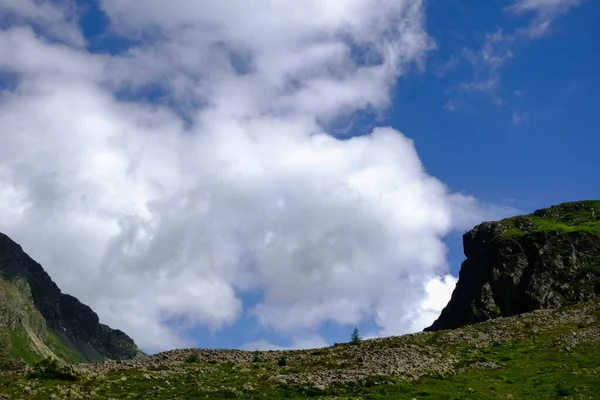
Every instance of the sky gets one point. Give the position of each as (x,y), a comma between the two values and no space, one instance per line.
(269,174)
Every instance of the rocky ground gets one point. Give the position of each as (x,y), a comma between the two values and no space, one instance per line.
(410,356)
(498,348)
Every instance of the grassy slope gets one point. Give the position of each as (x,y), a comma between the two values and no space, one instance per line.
(23,332)
(542,355)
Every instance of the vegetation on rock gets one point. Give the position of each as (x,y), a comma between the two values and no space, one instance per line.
(282,362)
(50,369)
(566,217)
(548,259)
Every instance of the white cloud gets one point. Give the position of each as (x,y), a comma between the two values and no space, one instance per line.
(497,48)
(542,6)
(57,19)
(546,11)
(519,117)
(299,54)
(488,61)
(439,292)
(155,212)
(302,343)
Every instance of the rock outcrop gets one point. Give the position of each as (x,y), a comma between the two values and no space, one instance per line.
(73,324)
(545,260)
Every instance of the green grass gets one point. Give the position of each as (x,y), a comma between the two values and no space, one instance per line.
(529,371)
(21,347)
(567,217)
(546,225)
(18,311)
(527,365)
(60,349)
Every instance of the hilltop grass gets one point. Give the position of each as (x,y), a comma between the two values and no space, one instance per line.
(535,362)
(568,217)
(546,225)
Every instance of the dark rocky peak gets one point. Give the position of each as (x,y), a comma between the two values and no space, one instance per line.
(547,259)
(75,324)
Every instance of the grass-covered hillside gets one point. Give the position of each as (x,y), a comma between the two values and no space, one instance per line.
(24,337)
(549,354)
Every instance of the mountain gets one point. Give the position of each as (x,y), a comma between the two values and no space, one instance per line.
(38,320)
(544,260)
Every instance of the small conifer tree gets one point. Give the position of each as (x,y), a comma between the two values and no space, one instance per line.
(355,338)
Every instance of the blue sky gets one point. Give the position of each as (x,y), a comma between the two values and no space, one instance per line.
(546,157)
(189,164)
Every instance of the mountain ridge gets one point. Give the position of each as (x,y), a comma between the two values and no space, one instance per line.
(40,320)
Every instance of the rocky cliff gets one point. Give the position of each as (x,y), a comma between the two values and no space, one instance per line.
(544,260)
(37,319)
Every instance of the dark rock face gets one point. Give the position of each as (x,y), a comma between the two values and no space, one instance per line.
(73,322)
(541,261)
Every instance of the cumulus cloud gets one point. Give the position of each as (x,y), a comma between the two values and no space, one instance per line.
(160,208)
(57,20)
